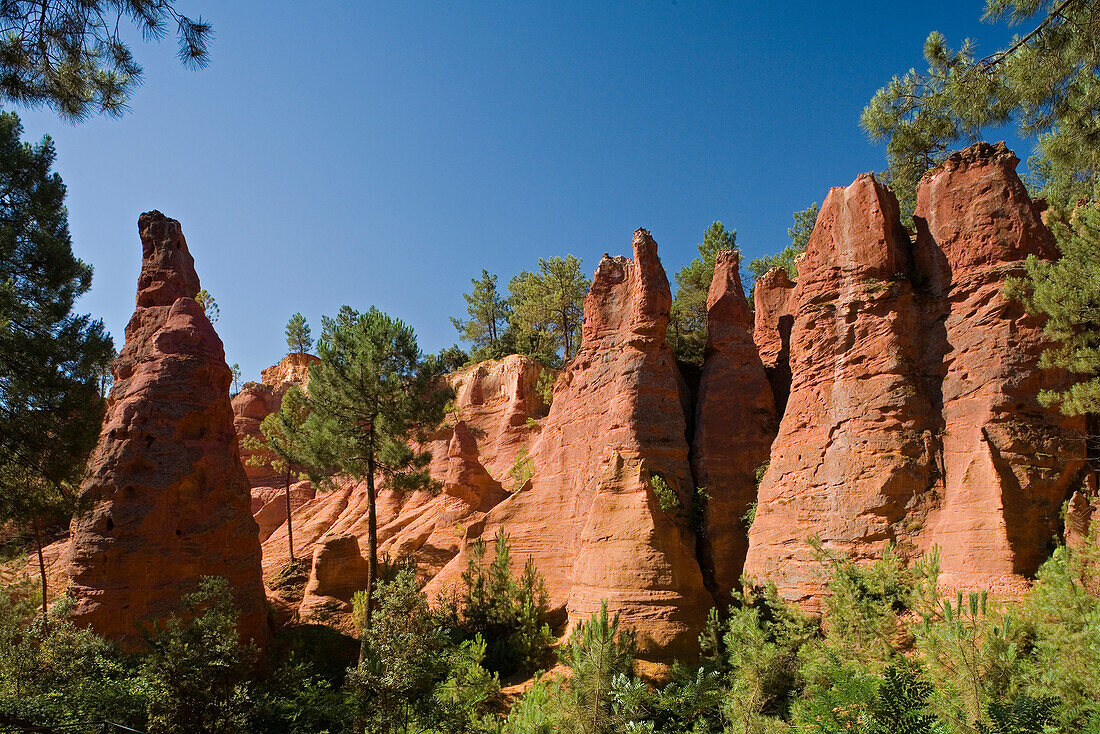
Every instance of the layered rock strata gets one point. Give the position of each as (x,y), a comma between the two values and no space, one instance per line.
(852,457)
(735,423)
(1007,462)
(167,498)
(496,414)
(913,415)
(590,517)
(774,318)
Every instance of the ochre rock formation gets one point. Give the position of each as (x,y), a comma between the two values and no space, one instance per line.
(735,423)
(168,500)
(851,460)
(496,414)
(589,517)
(293,369)
(913,415)
(1007,462)
(774,317)
(256,400)
(337,572)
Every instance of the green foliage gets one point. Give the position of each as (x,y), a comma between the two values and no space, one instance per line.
(522,469)
(370,397)
(666,495)
(867,603)
(1025,715)
(209,305)
(51,360)
(972,655)
(1046,82)
(598,652)
(1067,292)
(544,385)
(489,313)
(452,358)
(73,57)
(299,336)
(509,616)
(54,673)
(687,325)
(761,639)
(901,705)
(547,306)
(539,711)
(804,222)
(408,679)
(195,670)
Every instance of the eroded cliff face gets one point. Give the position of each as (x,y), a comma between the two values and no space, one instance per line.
(735,422)
(1007,462)
(913,415)
(589,517)
(496,415)
(168,499)
(890,392)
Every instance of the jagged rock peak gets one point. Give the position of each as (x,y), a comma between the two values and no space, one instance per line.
(166,501)
(728,313)
(628,295)
(167,268)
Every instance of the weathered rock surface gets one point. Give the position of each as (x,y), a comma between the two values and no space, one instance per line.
(1007,462)
(590,518)
(774,318)
(496,414)
(257,400)
(735,423)
(337,572)
(851,461)
(913,415)
(293,369)
(169,500)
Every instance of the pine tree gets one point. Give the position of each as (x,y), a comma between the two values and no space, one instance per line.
(488,312)
(804,222)
(370,397)
(1067,291)
(299,338)
(598,652)
(209,305)
(1047,82)
(73,56)
(549,303)
(51,360)
(687,325)
(284,447)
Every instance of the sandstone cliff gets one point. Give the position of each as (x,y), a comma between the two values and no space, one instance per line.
(494,418)
(168,500)
(589,516)
(912,415)
(735,422)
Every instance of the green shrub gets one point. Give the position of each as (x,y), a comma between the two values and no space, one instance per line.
(509,616)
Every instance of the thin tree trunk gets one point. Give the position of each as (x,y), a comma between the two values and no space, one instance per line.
(41,571)
(289,530)
(372,560)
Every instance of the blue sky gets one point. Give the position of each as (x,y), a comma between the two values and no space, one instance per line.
(383,153)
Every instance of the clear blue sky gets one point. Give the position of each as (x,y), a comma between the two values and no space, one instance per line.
(385,152)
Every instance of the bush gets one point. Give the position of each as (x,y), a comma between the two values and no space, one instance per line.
(509,616)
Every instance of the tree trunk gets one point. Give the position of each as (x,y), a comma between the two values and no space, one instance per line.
(289,530)
(372,559)
(41,571)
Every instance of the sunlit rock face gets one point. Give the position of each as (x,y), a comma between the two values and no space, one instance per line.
(913,415)
(589,516)
(167,499)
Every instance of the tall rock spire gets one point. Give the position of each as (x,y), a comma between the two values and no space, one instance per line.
(166,498)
